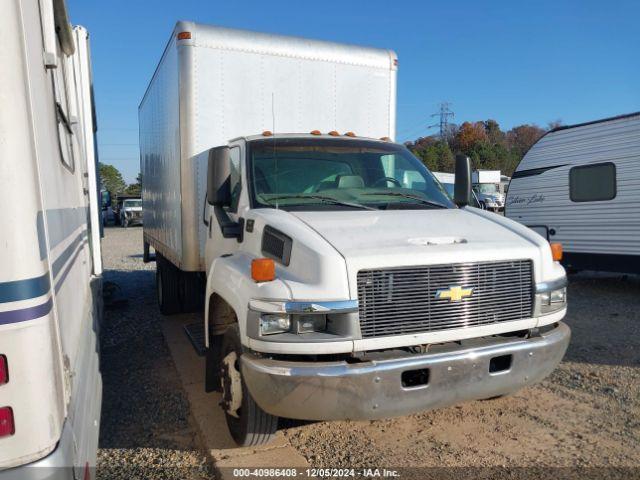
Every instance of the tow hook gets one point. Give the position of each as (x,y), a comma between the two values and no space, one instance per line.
(231,385)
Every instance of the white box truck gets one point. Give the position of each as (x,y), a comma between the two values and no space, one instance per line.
(50,259)
(486,186)
(339,280)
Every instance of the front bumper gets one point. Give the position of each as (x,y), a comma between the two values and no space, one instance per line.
(368,390)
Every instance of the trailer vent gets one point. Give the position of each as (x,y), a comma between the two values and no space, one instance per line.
(409,300)
(276,245)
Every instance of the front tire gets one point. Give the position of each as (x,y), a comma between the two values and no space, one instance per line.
(248,424)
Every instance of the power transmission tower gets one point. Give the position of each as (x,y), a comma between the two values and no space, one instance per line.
(444,113)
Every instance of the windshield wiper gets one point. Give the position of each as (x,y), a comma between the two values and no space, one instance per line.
(412,197)
(322,198)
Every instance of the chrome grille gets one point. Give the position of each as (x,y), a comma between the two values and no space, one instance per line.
(398,301)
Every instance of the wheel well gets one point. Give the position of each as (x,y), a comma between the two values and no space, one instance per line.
(220,315)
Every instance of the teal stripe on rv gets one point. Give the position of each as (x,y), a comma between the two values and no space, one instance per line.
(17,290)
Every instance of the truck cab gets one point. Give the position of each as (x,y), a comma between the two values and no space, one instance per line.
(342,282)
(486,186)
(130,212)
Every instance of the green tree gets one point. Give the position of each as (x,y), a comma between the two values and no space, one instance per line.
(111,179)
(135,188)
(434,153)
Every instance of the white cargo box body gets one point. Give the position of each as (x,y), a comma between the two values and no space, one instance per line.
(219,84)
(486,176)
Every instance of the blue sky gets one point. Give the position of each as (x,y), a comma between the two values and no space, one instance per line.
(515,62)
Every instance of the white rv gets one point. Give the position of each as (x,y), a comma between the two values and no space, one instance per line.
(50,260)
(580,185)
(339,279)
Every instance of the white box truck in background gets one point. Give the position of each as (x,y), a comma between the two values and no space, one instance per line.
(486,185)
(339,280)
(51,270)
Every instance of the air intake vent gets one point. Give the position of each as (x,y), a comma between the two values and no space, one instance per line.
(276,245)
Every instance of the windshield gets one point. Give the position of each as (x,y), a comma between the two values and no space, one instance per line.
(488,188)
(132,203)
(449,189)
(320,174)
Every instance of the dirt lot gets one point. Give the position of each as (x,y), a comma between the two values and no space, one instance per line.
(587,414)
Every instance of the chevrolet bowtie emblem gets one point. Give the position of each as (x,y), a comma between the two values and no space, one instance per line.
(455,293)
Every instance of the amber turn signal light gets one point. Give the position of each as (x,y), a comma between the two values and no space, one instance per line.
(556,251)
(263,269)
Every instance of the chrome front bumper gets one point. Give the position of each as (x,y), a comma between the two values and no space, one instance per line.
(369,390)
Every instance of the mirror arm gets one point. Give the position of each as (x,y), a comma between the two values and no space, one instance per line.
(229,228)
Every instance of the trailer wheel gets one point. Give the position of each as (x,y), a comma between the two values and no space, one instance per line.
(167,287)
(248,424)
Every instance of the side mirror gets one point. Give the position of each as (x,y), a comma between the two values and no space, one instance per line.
(218,177)
(462,187)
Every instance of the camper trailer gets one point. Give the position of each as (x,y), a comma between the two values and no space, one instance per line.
(51,270)
(580,185)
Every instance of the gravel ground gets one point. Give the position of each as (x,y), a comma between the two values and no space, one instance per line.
(585,415)
(145,430)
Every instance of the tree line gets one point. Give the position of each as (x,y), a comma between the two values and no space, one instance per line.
(484,142)
(112,181)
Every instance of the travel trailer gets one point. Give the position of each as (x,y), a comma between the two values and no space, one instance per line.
(338,278)
(580,185)
(50,280)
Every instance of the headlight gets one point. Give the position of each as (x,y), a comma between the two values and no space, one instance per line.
(271,323)
(310,323)
(551,296)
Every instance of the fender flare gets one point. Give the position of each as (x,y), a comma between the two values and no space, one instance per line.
(229,278)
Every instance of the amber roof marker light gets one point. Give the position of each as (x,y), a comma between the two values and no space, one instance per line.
(184,36)
(315,132)
(333,133)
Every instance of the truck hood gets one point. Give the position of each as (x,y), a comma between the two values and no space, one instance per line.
(380,239)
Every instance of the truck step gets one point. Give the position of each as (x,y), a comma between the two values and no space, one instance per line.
(195,334)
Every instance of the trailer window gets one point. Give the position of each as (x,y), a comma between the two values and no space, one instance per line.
(592,183)
(65,111)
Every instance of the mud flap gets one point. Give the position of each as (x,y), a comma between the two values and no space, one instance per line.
(212,364)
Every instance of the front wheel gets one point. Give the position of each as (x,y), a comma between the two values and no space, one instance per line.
(248,424)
